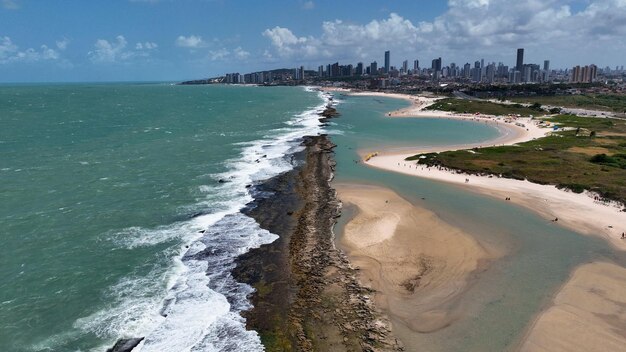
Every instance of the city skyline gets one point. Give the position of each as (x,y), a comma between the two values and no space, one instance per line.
(169,40)
(481,72)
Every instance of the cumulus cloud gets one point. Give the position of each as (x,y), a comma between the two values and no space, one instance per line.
(192,41)
(10,53)
(469,29)
(62,44)
(105,51)
(241,54)
(117,50)
(219,54)
(146,46)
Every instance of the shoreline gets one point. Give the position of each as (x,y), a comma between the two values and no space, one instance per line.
(579,212)
(588,308)
(307,294)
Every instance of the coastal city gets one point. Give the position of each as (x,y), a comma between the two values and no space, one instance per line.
(313,176)
(385,75)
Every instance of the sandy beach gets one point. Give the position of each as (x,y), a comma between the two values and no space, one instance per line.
(418,264)
(579,212)
(588,313)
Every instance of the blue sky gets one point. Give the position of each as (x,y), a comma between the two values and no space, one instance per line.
(81,40)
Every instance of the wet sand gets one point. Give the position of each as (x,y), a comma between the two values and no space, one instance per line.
(588,314)
(418,265)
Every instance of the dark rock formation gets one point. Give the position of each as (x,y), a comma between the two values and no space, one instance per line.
(308,297)
(125,345)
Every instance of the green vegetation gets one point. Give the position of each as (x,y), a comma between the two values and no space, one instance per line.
(591,156)
(606,102)
(485,107)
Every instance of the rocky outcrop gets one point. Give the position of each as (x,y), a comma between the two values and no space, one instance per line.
(308,296)
(125,345)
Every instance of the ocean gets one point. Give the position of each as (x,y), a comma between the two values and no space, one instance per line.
(120,212)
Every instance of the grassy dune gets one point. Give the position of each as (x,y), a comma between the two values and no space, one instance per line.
(591,156)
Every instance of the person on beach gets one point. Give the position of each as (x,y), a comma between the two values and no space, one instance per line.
(623,235)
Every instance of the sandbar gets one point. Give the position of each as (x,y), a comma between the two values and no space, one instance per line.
(588,314)
(418,265)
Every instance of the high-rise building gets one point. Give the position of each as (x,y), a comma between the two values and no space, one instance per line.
(405,66)
(416,65)
(436,65)
(476,73)
(490,73)
(587,74)
(320,71)
(466,70)
(374,68)
(526,73)
(546,65)
(299,74)
(387,61)
(359,69)
(334,70)
(520,60)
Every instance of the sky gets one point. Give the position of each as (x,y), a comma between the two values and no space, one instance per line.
(172,40)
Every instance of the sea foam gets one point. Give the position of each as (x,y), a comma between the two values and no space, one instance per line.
(195,304)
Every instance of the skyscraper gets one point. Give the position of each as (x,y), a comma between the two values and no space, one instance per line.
(387,63)
(359,69)
(416,65)
(405,66)
(436,65)
(520,60)
(546,65)
(374,68)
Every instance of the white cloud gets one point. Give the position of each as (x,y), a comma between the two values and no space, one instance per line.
(241,54)
(469,29)
(10,53)
(308,5)
(117,50)
(62,44)
(109,52)
(146,46)
(10,4)
(7,48)
(219,54)
(192,41)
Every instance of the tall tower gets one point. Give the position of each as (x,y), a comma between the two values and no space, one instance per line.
(387,61)
(520,60)
(546,65)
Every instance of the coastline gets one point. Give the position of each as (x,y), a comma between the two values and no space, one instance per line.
(307,294)
(591,301)
(579,212)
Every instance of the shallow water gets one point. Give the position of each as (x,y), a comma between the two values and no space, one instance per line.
(505,298)
(104,186)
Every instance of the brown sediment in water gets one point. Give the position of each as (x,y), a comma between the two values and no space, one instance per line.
(307,295)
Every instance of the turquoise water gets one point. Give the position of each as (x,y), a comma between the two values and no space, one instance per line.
(505,298)
(104,186)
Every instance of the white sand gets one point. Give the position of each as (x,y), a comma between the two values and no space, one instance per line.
(588,314)
(579,212)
